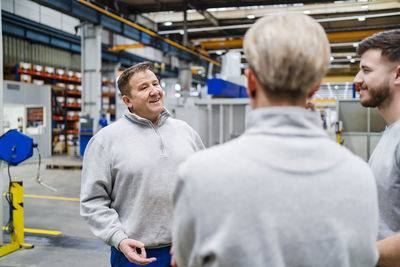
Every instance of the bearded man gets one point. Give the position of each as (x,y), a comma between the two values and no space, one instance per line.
(379,82)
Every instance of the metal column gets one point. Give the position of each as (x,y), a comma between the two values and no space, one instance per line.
(1,123)
(91,75)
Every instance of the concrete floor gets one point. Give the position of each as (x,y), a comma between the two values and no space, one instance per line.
(76,245)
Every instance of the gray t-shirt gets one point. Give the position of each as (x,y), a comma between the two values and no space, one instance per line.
(385,164)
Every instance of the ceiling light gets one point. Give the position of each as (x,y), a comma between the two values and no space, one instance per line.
(251,16)
(352,60)
(361,18)
(355,44)
(332,58)
(307,12)
(167,23)
(348,57)
(219,52)
(364,6)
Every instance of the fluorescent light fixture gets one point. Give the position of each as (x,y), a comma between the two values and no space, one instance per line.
(352,60)
(355,44)
(251,16)
(167,23)
(245,26)
(219,52)
(332,58)
(364,6)
(307,12)
(349,57)
(361,18)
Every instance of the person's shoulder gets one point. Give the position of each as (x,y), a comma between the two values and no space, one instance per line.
(110,130)
(213,156)
(177,122)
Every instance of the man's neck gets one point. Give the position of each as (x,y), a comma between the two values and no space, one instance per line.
(391,111)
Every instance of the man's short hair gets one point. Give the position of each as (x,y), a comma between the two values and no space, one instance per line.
(388,42)
(123,80)
(289,53)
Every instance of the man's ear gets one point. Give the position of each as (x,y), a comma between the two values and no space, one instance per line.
(397,78)
(313,91)
(251,83)
(127,102)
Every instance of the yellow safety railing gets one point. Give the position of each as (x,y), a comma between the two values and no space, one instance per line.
(17,234)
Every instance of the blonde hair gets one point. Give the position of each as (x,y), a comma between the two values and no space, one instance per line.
(289,53)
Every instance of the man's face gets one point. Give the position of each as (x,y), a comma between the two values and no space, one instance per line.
(373,79)
(146,96)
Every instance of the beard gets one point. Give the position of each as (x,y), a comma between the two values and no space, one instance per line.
(374,97)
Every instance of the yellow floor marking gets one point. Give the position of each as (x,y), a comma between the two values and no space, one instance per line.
(52,197)
(38,231)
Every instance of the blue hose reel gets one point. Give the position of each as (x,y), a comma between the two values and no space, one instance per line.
(15,147)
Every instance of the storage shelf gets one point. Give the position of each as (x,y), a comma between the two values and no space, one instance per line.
(74,93)
(73,131)
(49,75)
(108,94)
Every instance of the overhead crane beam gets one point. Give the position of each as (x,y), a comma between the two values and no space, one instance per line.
(151,33)
(332,36)
(116,48)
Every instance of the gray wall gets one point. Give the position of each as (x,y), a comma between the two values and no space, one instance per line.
(362,127)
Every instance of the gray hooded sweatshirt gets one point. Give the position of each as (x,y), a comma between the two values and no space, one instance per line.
(127,178)
(283,194)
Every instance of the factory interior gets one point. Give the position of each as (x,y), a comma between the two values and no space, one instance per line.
(61,60)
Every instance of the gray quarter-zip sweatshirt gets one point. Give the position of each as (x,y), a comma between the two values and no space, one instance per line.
(283,195)
(128,171)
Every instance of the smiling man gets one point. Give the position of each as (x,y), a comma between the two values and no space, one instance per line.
(379,82)
(128,171)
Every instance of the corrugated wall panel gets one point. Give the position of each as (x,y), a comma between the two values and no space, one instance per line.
(15,50)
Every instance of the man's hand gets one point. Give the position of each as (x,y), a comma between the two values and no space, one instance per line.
(129,246)
(173,261)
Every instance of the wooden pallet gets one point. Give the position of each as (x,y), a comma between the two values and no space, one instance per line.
(64,166)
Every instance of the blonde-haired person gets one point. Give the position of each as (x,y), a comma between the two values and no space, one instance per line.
(282,194)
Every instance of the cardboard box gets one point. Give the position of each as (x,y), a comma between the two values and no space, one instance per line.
(49,69)
(60,72)
(25,78)
(38,68)
(25,65)
(59,147)
(38,82)
(62,85)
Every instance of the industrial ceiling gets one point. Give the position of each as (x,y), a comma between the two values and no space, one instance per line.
(219,25)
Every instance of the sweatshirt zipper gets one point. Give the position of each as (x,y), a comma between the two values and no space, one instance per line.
(162,146)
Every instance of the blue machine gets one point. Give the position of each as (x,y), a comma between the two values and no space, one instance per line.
(15,147)
(85,133)
(222,87)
